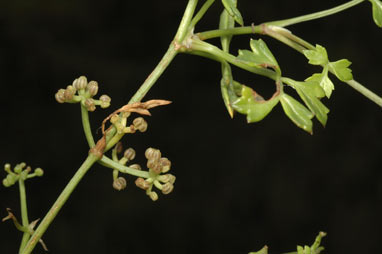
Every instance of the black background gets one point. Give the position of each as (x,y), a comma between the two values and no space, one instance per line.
(239,186)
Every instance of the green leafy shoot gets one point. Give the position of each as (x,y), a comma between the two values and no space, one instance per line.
(377,12)
(317,56)
(260,56)
(296,112)
(341,70)
(228,90)
(253,105)
(323,80)
(230,6)
(310,92)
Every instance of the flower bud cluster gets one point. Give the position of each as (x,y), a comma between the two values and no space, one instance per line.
(20,171)
(119,183)
(120,123)
(83,91)
(157,165)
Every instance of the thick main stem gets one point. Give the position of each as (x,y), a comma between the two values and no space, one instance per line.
(49,217)
(24,213)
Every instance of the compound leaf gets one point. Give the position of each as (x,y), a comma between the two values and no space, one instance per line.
(260,56)
(317,56)
(296,112)
(341,70)
(253,105)
(377,12)
(323,80)
(230,6)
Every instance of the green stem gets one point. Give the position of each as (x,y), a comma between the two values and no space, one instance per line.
(49,217)
(201,12)
(231,31)
(24,214)
(198,45)
(316,15)
(123,169)
(86,126)
(366,92)
(184,26)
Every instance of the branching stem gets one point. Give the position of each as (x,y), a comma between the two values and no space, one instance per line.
(24,213)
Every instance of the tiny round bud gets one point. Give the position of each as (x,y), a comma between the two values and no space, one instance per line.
(114,119)
(166,164)
(157,168)
(152,153)
(167,188)
(92,88)
(119,183)
(7,167)
(142,183)
(152,162)
(105,101)
(135,166)
(69,93)
(19,167)
(60,96)
(39,172)
(89,104)
(6,182)
(153,195)
(80,83)
(140,124)
(168,178)
(129,154)
(11,179)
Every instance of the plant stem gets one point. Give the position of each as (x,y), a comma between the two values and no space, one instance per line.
(49,217)
(366,92)
(24,213)
(226,32)
(316,15)
(86,126)
(184,26)
(123,169)
(201,12)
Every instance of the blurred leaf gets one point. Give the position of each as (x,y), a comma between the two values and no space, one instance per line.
(308,93)
(260,56)
(323,80)
(341,70)
(226,22)
(377,12)
(227,88)
(230,6)
(253,105)
(317,56)
(264,250)
(299,114)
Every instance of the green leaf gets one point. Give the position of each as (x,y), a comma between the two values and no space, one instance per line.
(307,92)
(230,6)
(253,105)
(296,112)
(264,250)
(377,12)
(226,22)
(317,56)
(323,80)
(260,56)
(228,88)
(341,70)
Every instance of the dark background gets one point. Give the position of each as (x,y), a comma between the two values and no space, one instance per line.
(239,186)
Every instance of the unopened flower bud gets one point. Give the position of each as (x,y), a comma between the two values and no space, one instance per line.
(129,154)
(80,83)
(11,179)
(152,162)
(135,166)
(7,167)
(60,96)
(92,88)
(39,172)
(105,101)
(69,93)
(119,183)
(19,167)
(166,164)
(153,195)
(167,188)
(6,182)
(157,168)
(140,124)
(168,178)
(89,104)
(152,153)
(142,183)
(119,147)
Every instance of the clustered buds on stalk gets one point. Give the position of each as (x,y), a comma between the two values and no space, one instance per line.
(83,91)
(20,172)
(120,123)
(157,165)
